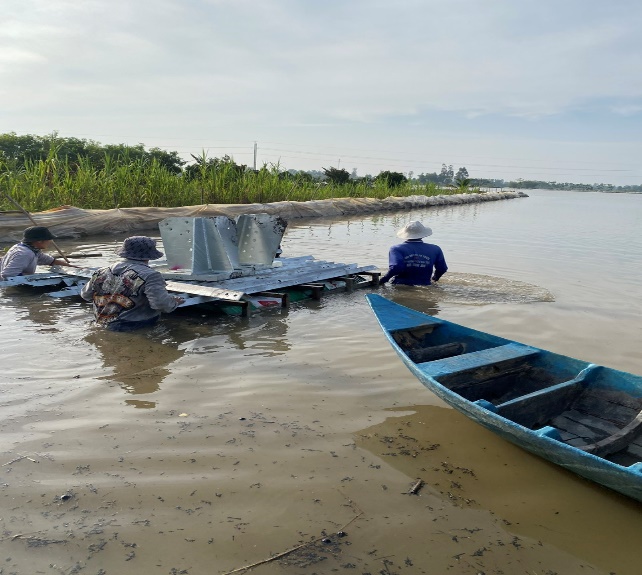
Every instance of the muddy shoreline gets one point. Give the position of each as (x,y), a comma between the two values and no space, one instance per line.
(347,506)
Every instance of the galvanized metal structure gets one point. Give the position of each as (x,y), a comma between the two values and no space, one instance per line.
(219,259)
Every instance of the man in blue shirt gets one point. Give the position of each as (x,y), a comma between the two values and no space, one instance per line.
(415,262)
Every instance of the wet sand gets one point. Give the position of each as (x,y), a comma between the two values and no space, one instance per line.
(291,440)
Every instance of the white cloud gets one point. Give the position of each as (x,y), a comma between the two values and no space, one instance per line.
(625,110)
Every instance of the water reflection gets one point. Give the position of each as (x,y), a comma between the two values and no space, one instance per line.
(33,305)
(138,361)
(263,334)
(266,336)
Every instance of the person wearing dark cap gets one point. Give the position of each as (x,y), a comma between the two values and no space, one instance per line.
(22,259)
(129,294)
(415,262)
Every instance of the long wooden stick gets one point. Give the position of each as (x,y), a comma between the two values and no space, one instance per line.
(26,213)
(270,559)
(284,553)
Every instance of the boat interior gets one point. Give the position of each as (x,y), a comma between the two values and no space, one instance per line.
(593,408)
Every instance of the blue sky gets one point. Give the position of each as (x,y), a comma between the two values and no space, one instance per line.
(544,89)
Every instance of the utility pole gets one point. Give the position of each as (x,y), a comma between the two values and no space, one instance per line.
(255,156)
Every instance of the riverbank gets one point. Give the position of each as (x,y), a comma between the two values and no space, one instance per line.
(72,222)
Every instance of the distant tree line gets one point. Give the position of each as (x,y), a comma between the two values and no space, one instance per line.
(41,173)
(539,184)
(19,151)
(446,177)
(16,151)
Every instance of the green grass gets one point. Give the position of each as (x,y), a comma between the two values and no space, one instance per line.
(54,182)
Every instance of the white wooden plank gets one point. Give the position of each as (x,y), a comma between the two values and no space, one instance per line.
(209,291)
(37,279)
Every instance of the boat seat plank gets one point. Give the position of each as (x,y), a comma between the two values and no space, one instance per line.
(477,359)
(413,323)
(539,406)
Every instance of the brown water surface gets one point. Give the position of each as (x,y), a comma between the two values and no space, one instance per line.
(210,443)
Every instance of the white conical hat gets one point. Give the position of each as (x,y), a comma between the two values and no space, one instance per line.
(414,231)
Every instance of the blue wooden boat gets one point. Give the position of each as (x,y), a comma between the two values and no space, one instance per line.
(584,417)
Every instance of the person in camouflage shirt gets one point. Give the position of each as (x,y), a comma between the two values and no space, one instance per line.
(129,294)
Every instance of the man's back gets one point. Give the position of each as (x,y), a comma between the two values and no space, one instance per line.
(413,262)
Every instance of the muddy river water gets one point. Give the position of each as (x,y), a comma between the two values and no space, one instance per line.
(287,442)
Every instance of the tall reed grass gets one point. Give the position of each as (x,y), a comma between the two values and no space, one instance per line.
(54,182)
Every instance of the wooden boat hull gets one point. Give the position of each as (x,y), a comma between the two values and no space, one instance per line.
(583,417)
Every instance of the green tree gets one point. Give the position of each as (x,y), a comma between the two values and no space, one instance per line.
(296,176)
(170,160)
(16,151)
(428,178)
(462,173)
(446,175)
(393,179)
(203,166)
(336,176)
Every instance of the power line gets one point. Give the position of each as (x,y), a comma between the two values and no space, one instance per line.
(395,152)
(408,162)
(340,151)
(475,165)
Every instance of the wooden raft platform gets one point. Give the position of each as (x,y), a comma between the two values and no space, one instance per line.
(238,288)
